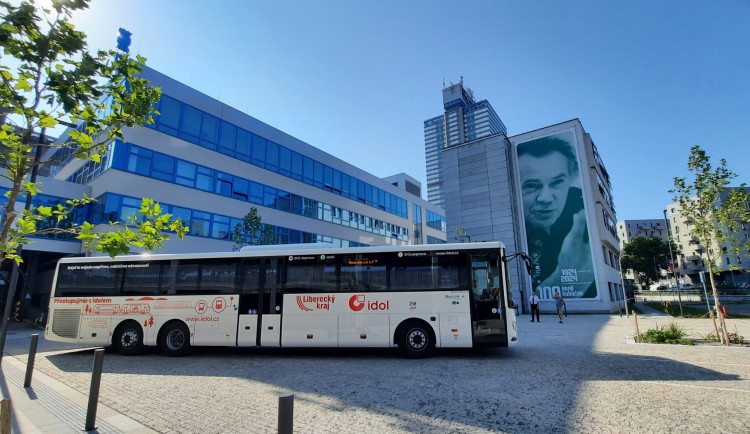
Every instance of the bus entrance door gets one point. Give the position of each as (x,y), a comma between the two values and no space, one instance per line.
(487,324)
(270,316)
(260,309)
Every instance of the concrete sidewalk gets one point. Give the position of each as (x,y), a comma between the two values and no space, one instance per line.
(49,406)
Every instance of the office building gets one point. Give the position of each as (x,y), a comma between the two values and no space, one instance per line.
(463,120)
(490,187)
(208,164)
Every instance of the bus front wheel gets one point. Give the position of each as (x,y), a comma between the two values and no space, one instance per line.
(415,340)
(128,339)
(174,340)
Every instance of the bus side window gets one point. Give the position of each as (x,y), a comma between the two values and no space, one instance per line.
(219,277)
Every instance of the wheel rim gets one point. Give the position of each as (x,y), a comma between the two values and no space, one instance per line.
(175,340)
(416,339)
(129,339)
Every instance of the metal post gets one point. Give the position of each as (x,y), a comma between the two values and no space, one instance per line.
(671,258)
(30,362)
(622,285)
(286,414)
(96,377)
(5,424)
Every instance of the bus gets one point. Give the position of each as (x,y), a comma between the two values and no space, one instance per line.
(415,298)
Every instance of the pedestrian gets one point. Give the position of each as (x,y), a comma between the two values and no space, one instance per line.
(534,302)
(559,303)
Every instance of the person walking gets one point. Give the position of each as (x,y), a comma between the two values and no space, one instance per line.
(534,302)
(559,303)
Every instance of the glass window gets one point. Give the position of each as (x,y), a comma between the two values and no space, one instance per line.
(337,181)
(345,185)
(318,174)
(205,179)
(269,197)
(146,278)
(181,213)
(241,188)
(139,165)
(256,192)
(200,224)
(284,201)
(297,166)
(185,169)
(209,130)
(170,114)
(243,145)
(259,151)
(363,273)
(164,164)
(328,177)
(191,123)
(313,275)
(186,281)
(72,281)
(272,155)
(220,227)
(285,161)
(307,170)
(218,277)
(227,138)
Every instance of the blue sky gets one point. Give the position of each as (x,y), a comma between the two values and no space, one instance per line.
(648,79)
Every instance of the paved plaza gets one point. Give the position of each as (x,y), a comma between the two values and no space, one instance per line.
(586,375)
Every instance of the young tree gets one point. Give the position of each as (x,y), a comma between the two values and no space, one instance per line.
(252,232)
(645,257)
(713,211)
(49,76)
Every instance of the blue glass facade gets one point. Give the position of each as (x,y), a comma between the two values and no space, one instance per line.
(181,120)
(112,207)
(136,159)
(435,221)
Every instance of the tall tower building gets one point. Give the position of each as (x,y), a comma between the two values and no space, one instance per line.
(463,120)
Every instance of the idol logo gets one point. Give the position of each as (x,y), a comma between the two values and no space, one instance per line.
(358,302)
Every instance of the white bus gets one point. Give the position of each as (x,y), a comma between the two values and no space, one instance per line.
(415,298)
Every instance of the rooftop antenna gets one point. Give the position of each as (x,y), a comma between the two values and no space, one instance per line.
(443,82)
(461,81)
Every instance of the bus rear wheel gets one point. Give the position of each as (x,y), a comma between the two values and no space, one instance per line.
(174,340)
(128,339)
(414,340)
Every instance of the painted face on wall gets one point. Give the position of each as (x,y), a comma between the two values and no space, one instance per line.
(545,182)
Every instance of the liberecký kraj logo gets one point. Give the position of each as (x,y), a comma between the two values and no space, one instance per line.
(309,303)
(358,302)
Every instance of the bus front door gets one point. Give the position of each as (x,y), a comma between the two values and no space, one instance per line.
(488,327)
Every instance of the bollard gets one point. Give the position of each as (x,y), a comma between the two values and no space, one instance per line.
(96,377)
(5,416)
(30,362)
(286,414)
(637,332)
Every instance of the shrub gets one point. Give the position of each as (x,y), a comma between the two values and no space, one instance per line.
(671,334)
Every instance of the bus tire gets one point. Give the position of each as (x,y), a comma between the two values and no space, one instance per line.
(174,339)
(128,338)
(415,339)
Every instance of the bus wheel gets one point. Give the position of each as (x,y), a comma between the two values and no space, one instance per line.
(128,339)
(414,339)
(174,340)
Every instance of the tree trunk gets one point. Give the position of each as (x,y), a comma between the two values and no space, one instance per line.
(725,334)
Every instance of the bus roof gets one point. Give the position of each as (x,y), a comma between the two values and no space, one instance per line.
(292,249)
